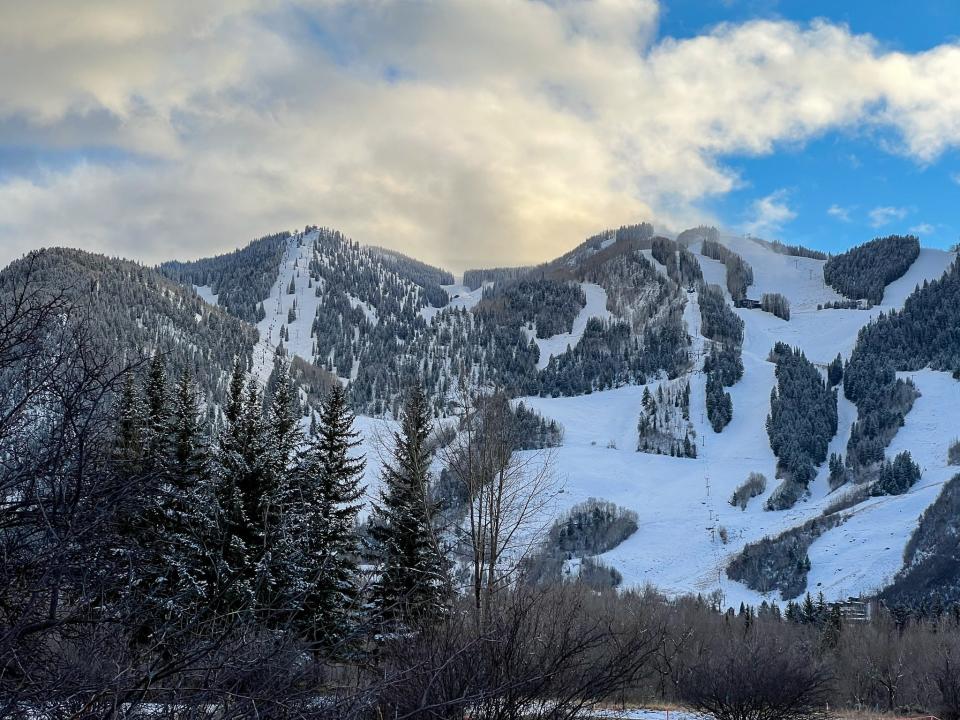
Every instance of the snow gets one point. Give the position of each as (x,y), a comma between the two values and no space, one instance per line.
(682,503)
(206,294)
(296,265)
(647,714)
(595,307)
(884,524)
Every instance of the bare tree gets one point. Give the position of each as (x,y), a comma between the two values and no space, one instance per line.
(541,654)
(759,676)
(507,494)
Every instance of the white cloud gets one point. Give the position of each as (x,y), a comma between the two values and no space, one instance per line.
(922,229)
(955,177)
(505,132)
(884,215)
(838,212)
(769,214)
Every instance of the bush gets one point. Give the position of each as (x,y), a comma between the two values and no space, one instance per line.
(757,677)
(754,485)
(786,494)
(847,500)
(953,454)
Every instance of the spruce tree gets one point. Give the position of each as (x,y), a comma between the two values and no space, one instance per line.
(233,475)
(156,438)
(181,539)
(410,586)
(130,421)
(331,473)
(279,501)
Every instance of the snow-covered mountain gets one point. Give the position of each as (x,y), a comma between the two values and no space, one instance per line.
(617,341)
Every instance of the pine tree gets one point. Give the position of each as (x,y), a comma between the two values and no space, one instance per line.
(182,538)
(649,404)
(130,421)
(410,586)
(331,474)
(188,444)
(809,610)
(835,371)
(235,477)
(278,500)
(156,423)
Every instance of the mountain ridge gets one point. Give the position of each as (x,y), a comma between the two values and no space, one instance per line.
(619,315)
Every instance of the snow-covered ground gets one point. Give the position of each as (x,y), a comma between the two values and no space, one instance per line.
(683,503)
(295,266)
(595,307)
(206,294)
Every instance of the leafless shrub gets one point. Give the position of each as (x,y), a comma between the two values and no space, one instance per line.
(754,485)
(757,677)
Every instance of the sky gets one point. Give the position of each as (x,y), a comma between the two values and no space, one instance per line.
(474,132)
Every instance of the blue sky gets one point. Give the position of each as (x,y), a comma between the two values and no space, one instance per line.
(852,171)
(469,132)
(899,24)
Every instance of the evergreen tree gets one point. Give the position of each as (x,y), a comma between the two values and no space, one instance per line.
(330,474)
(278,500)
(235,478)
(649,404)
(181,539)
(410,585)
(835,371)
(156,423)
(130,420)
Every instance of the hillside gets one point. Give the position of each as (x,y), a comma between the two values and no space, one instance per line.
(360,314)
(131,312)
(581,338)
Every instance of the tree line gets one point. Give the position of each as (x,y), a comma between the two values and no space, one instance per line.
(917,336)
(241,279)
(739,272)
(864,271)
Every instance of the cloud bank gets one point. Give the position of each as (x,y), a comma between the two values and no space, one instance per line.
(465,133)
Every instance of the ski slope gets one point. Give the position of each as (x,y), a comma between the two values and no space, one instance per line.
(595,307)
(683,503)
(295,266)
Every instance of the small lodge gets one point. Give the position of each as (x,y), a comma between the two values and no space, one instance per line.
(855,609)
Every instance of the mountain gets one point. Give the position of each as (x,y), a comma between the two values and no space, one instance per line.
(680,371)
(131,311)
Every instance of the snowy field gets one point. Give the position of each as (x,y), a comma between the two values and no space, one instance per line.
(683,503)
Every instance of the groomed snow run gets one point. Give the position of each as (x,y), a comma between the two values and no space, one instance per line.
(683,503)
